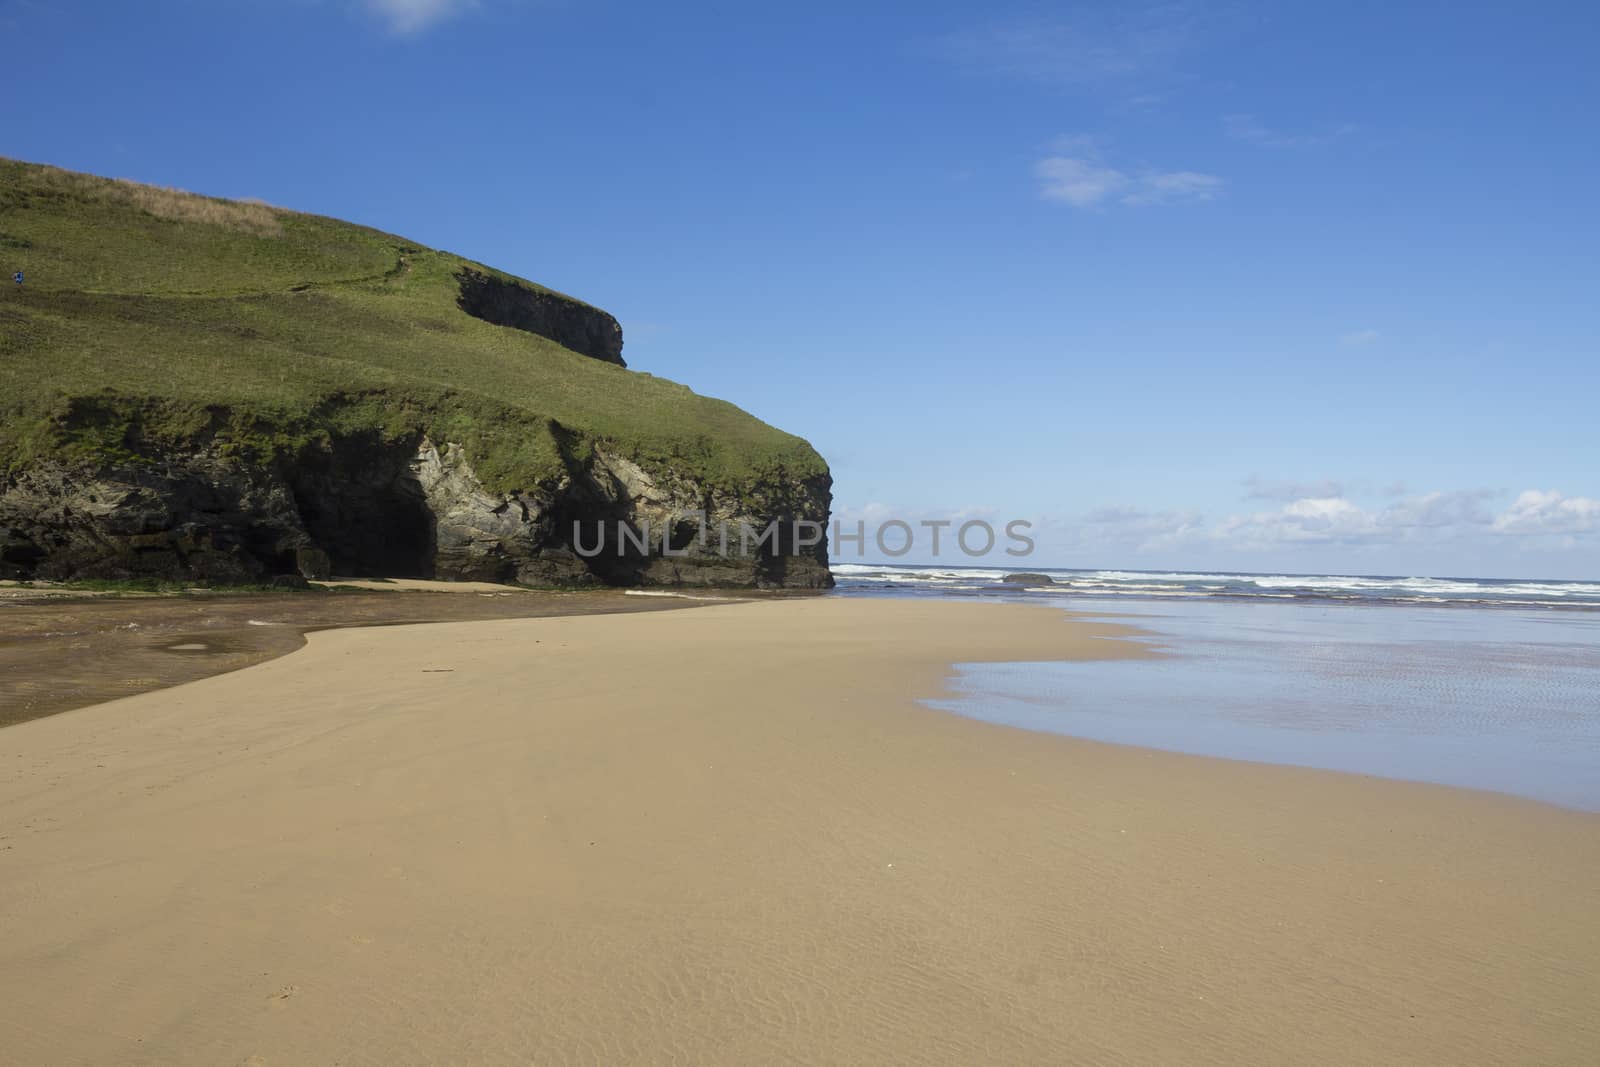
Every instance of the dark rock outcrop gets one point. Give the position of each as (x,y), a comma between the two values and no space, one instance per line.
(364,506)
(569,323)
(1027,578)
(197,518)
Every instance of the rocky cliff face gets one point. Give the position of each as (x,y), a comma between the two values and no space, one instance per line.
(413,507)
(569,323)
(196,389)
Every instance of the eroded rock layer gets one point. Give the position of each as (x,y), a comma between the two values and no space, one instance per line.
(413,507)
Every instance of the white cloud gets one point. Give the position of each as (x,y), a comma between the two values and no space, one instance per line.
(1312,519)
(1136,522)
(1359,338)
(409,16)
(1426,527)
(1547,511)
(1248,128)
(1429,518)
(1111,43)
(1429,527)
(1163,187)
(1083,181)
(1112,530)
(1078,182)
(1436,510)
(1260,489)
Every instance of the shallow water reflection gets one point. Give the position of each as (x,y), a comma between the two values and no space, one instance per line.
(1485,698)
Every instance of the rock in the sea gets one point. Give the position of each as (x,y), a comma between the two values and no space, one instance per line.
(1027,578)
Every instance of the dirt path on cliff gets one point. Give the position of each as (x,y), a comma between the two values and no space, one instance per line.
(62,653)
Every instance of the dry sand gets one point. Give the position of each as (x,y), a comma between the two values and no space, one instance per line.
(730,836)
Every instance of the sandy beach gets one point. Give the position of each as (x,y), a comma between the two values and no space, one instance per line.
(731,835)
(65,648)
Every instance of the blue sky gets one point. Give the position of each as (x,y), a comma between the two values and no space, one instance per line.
(1258,286)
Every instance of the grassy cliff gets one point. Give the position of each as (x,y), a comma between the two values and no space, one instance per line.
(152,318)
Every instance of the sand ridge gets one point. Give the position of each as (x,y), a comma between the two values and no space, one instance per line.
(731,836)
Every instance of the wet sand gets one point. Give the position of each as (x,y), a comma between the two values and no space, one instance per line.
(732,836)
(62,649)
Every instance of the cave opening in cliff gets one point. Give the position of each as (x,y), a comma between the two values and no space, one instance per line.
(365,509)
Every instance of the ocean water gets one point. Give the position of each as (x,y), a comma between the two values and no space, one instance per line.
(1478,688)
(1185,585)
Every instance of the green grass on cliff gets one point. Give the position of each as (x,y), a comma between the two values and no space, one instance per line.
(156,316)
